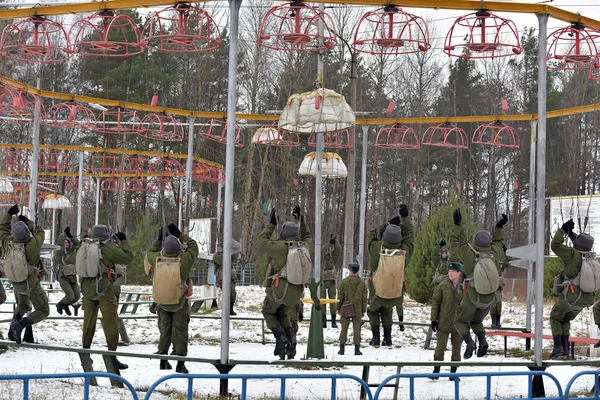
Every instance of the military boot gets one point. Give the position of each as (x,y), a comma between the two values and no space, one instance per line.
(66,309)
(28,335)
(231,312)
(565,344)
(153,308)
(470,346)
(164,364)
(558,350)
(387,335)
(494,323)
(453,370)
(280,341)
(180,368)
(59,307)
(291,342)
(436,370)
(324,321)
(120,365)
(342,349)
(16,328)
(357,351)
(376,340)
(483,344)
(76,308)
(498,324)
(333,318)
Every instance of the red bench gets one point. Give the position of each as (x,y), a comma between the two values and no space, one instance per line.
(529,335)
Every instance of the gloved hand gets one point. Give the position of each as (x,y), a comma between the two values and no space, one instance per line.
(300,317)
(121,236)
(403,210)
(434,326)
(332,239)
(174,230)
(14,210)
(273,218)
(442,243)
(68,232)
(395,221)
(568,226)
(504,248)
(500,224)
(297,213)
(23,218)
(457,217)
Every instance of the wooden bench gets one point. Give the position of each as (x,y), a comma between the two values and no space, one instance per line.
(529,335)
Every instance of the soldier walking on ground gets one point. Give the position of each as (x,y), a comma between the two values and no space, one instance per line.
(67,273)
(444,304)
(331,255)
(353,305)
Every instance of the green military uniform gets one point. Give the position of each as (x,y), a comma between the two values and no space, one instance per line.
(218,262)
(68,283)
(280,294)
(99,294)
(381,310)
(173,320)
(444,304)
(119,280)
(496,309)
(441,265)
(28,292)
(295,313)
(572,300)
(330,256)
(352,289)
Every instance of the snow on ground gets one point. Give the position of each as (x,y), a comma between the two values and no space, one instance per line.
(245,344)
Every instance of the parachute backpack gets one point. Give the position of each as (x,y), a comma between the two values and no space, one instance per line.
(167,286)
(298,267)
(88,261)
(389,277)
(485,279)
(16,267)
(589,275)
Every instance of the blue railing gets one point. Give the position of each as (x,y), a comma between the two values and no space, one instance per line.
(86,381)
(577,375)
(246,377)
(458,375)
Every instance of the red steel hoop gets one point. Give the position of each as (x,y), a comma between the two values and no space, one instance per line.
(333,140)
(595,71)
(35,39)
(445,135)
(14,160)
(574,47)
(118,121)
(134,165)
(104,163)
(70,115)
(270,135)
(161,127)
(53,160)
(160,183)
(181,28)
(136,185)
(390,30)
(397,137)
(166,166)
(217,132)
(206,174)
(487,36)
(72,184)
(106,34)
(110,185)
(496,134)
(295,27)
(19,106)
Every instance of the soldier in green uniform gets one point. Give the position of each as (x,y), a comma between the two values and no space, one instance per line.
(280,294)
(352,290)
(119,280)
(29,292)
(331,255)
(496,310)
(99,293)
(236,248)
(571,299)
(174,319)
(444,304)
(67,275)
(296,315)
(440,257)
(2,296)
(474,306)
(395,234)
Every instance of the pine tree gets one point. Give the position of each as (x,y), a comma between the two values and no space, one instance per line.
(420,270)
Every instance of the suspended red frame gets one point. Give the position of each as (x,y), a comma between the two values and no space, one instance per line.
(35,39)
(271,135)
(206,174)
(217,132)
(72,184)
(574,47)
(118,121)
(397,137)
(594,73)
(70,115)
(167,166)
(135,165)
(106,34)
(333,140)
(104,163)
(161,127)
(110,184)
(181,28)
(136,185)
(487,36)
(19,107)
(390,30)
(14,160)
(294,27)
(445,135)
(496,134)
(53,160)
(160,183)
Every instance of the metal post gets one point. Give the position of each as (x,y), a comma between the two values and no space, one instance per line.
(219,209)
(540,189)
(98,182)
(79,195)
(234,8)
(531,222)
(35,158)
(363,198)
(188,174)
(53,234)
(180,207)
(318,205)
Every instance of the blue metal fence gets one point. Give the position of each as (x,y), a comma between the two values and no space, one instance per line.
(596,373)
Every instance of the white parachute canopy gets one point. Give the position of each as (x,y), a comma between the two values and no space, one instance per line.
(266,135)
(56,201)
(5,185)
(332,167)
(319,111)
